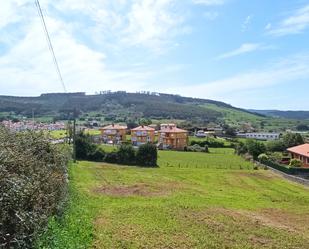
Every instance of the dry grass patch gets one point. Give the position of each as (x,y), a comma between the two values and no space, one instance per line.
(253,226)
(257,175)
(139,189)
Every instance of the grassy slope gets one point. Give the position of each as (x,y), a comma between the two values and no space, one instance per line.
(180,207)
(235,117)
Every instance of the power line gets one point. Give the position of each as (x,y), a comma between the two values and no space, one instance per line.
(50,45)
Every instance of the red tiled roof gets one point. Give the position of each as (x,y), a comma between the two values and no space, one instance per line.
(143,128)
(114,127)
(173,130)
(302,150)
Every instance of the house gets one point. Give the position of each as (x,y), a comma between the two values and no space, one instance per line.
(113,134)
(171,137)
(260,135)
(300,152)
(217,130)
(142,134)
(200,134)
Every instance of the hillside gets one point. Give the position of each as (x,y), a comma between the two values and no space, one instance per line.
(284,114)
(127,107)
(153,105)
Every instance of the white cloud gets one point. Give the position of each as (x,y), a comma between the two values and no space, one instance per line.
(27,69)
(293,68)
(152,23)
(243,49)
(208,2)
(246,23)
(268,26)
(297,23)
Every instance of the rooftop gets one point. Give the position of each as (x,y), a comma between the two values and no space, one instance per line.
(173,129)
(143,128)
(114,127)
(302,150)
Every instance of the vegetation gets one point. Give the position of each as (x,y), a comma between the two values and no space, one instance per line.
(145,155)
(33,186)
(252,147)
(194,205)
(295,163)
(135,108)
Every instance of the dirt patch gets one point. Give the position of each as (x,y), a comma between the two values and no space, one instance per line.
(265,217)
(257,175)
(139,189)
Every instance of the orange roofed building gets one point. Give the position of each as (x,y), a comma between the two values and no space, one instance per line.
(142,135)
(171,137)
(114,134)
(300,152)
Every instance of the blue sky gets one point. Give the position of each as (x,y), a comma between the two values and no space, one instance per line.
(251,54)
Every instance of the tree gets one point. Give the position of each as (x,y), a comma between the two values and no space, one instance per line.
(230,131)
(275,145)
(302,127)
(126,154)
(147,155)
(84,147)
(292,139)
(255,148)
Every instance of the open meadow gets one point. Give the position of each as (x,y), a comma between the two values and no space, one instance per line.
(193,200)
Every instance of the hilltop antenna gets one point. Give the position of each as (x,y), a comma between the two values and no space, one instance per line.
(50,45)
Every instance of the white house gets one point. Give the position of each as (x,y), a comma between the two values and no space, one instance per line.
(260,135)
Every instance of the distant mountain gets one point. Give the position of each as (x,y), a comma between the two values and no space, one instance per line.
(284,114)
(123,105)
(130,107)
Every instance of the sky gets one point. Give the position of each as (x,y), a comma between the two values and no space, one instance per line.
(251,54)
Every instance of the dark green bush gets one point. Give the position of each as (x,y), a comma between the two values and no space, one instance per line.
(147,155)
(84,147)
(97,155)
(111,157)
(210,142)
(126,154)
(33,186)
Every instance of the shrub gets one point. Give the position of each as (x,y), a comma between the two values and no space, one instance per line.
(33,186)
(211,142)
(275,146)
(84,147)
(255,148)
(126,154)
(241,148)
(206,149)
(263,158)
(295,163)
(97,155)
(111,157)
(147,155)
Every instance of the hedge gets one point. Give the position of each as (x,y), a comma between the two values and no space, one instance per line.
(33,186)
(287,170)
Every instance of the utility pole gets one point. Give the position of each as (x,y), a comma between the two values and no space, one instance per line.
(74,139)
(32,119)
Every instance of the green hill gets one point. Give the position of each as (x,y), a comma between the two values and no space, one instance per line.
(125,107)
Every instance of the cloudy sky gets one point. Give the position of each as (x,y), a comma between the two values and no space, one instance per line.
(252,54)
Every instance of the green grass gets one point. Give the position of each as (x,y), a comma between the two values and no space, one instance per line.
(58,134)
(213,205)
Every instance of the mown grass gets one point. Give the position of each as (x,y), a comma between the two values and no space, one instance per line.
(182,207)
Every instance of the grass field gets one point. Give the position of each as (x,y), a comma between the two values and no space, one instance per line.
(193,200)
